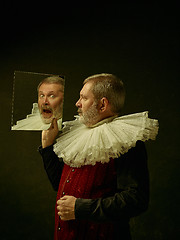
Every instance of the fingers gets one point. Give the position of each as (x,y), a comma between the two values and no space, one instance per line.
(66,208)
(63,212)
(64,215)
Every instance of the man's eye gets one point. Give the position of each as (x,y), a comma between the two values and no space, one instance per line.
(52,96)
(84,98)
(41,95)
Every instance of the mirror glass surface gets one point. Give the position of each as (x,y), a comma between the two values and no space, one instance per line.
(37,99)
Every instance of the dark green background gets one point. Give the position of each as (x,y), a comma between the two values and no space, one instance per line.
(137,42)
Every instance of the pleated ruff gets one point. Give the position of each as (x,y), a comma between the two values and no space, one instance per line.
(79,145)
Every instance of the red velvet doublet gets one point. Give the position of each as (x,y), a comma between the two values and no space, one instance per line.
(88,182)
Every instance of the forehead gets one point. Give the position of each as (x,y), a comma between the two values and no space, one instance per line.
(87,89)
(50,87)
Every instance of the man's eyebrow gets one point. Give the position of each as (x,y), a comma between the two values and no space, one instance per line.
(82,94)
(47,92)
(50,92)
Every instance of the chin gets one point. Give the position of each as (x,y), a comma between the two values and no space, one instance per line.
(46,120)
(81,119)
(87,122)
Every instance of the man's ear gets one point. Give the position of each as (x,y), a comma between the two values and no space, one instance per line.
(103,104)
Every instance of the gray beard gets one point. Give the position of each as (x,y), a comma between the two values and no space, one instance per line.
(90,117)
(56,114)
(46,120)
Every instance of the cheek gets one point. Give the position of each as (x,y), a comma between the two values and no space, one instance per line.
(55,104)
(57,101)
(86,106)
(40,102)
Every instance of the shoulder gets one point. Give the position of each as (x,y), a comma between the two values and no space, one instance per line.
(135,155)
(139,149)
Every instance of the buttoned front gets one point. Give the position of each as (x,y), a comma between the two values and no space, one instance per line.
(85,182)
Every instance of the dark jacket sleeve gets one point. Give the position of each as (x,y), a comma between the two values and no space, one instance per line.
(52,164)
(132,194)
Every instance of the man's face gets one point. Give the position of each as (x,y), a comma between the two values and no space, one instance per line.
(50,101)
(87,106)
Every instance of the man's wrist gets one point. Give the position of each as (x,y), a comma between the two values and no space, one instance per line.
(44,150)
(45,144)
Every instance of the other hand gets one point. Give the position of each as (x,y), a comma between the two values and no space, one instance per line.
(66,208)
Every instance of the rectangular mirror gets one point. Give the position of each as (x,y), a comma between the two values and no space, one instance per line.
(37,99)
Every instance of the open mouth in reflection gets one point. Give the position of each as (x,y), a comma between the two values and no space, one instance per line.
(47,113)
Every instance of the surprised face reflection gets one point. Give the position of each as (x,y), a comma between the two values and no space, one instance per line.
(50,101)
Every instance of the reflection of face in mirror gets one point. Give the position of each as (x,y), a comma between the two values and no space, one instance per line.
(50,99)
(50,89)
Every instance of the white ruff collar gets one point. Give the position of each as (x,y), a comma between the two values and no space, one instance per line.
(79,145)
(33,121)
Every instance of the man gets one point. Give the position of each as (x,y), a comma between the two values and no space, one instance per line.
(102,175)
(50,98)
(49,106)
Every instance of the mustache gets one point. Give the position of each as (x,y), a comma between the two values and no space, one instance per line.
(79,110)
(46,108)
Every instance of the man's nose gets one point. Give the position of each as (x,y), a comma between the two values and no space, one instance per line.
(78,103)
(46,101)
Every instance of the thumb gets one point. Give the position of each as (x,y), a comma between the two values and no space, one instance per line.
(64,197)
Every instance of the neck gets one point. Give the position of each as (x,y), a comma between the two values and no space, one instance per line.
(102,121)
